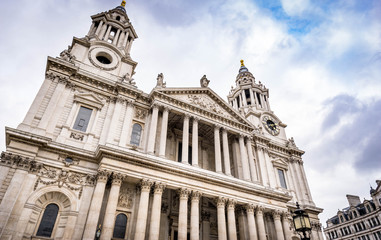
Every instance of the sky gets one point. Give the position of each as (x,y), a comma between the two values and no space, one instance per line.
(321,61)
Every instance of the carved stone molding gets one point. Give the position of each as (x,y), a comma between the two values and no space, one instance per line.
(159,187)
(184,193)
(221,202)
(77,136)
(250,208)
(196,195)
(140,113)
(145,185)
(67,56)
(20,162)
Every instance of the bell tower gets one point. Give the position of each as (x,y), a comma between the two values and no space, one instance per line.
(107,45)
(251,99)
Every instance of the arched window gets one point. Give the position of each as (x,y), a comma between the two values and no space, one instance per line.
(136,134)
(341,219)
(47,221)
(120,226)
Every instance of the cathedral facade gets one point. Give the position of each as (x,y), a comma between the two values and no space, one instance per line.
(97,158)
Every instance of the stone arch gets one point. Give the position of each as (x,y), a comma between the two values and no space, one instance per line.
(36,204)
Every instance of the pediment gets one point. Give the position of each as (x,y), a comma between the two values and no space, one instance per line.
(205,99)
(89,99)
(280,163)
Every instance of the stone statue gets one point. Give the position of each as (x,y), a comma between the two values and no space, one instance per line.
(127,79)
(204,82)
(160,81)
(67,56)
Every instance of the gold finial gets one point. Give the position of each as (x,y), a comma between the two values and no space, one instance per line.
(242,65)
(123,4)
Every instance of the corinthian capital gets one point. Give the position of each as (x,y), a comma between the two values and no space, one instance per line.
(159,187)
(221,201)
(145,185)
(117,178)
(250,208)
(184,193)
(103,175)
(231,203)
(196,195)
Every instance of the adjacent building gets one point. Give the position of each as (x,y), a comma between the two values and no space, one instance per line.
(95,157)
(359,221)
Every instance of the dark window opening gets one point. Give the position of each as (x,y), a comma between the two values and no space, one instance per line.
(180,153)
(48,220)
(247,94)
(103,59)
(259,99)
(83,119)
(120,226)
(176,236)
(118,18)
(282,179)
(238,103)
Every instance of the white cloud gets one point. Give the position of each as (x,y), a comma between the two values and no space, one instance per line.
(295,7)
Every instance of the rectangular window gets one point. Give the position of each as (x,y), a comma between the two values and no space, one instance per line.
(282,179)
(83,119)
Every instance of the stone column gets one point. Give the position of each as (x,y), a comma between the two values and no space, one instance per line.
(95,207)
(154,230)
(262,166)
(286,226)
(121,39)
(115,119)
(152,131)
(205,216)
(231,220)
(245,163)
(163,134)
(141,222)
(303,190)
(124,45)
(217,149)
(256,99)
(109,219)
(251,222)
(244,102)
(260,223)
(184,156)
(116,37)
(105,37)
(195,142)
(278,225)
(102,32)
(99,28)
(183,214)
(221,218)
(91,29)
(126,128)
(308,192)
(83,210)
(194,222)
(241,224)
(226,152)
(252,97)
(253,169)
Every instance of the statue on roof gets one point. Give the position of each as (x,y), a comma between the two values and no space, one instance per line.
(204,82)
(160,81)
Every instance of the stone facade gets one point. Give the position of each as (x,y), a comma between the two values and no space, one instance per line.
(359,221)
(97,157)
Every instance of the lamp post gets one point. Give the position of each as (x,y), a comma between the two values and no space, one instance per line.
(302,223)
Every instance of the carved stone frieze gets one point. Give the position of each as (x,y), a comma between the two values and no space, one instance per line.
(126,198)
(206,103)
(20,162)
(77,136)
(140,113)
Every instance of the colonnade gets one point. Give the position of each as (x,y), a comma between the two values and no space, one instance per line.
(119,39)
(226,210)
(256,98)
(222,156)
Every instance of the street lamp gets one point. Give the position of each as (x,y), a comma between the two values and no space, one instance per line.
(302,222)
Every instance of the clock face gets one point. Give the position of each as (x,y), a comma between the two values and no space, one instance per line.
(271,125)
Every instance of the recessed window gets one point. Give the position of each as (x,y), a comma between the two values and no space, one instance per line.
(118,18)
(282,179)
(68,160)
(48,220)
(120,226)
(83,119)
(136,134)
(103,59)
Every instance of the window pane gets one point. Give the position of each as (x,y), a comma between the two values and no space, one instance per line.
(83,119)
(282,179)
(47,222)
(120,226)
(136,134)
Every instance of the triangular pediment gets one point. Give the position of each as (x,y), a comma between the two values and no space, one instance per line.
(89,99)
(207,100)
(279,163)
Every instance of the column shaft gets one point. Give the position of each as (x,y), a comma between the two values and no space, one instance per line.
(217,149)
(124,45)
(184,156)
(245,163)
(154,230)
(252,97)
(278,226)
(183,214)
(116,36)
(286,226)
(152,131)
(195,142)
(231,220)
(221,222)
(126,128)
(163,134)
(105,37)
(251,222)
(261,224)
(253,169)
(194,224)
(226,152)
(114,121)
(109,220)
(95,207)
(99,28)
(141,221)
